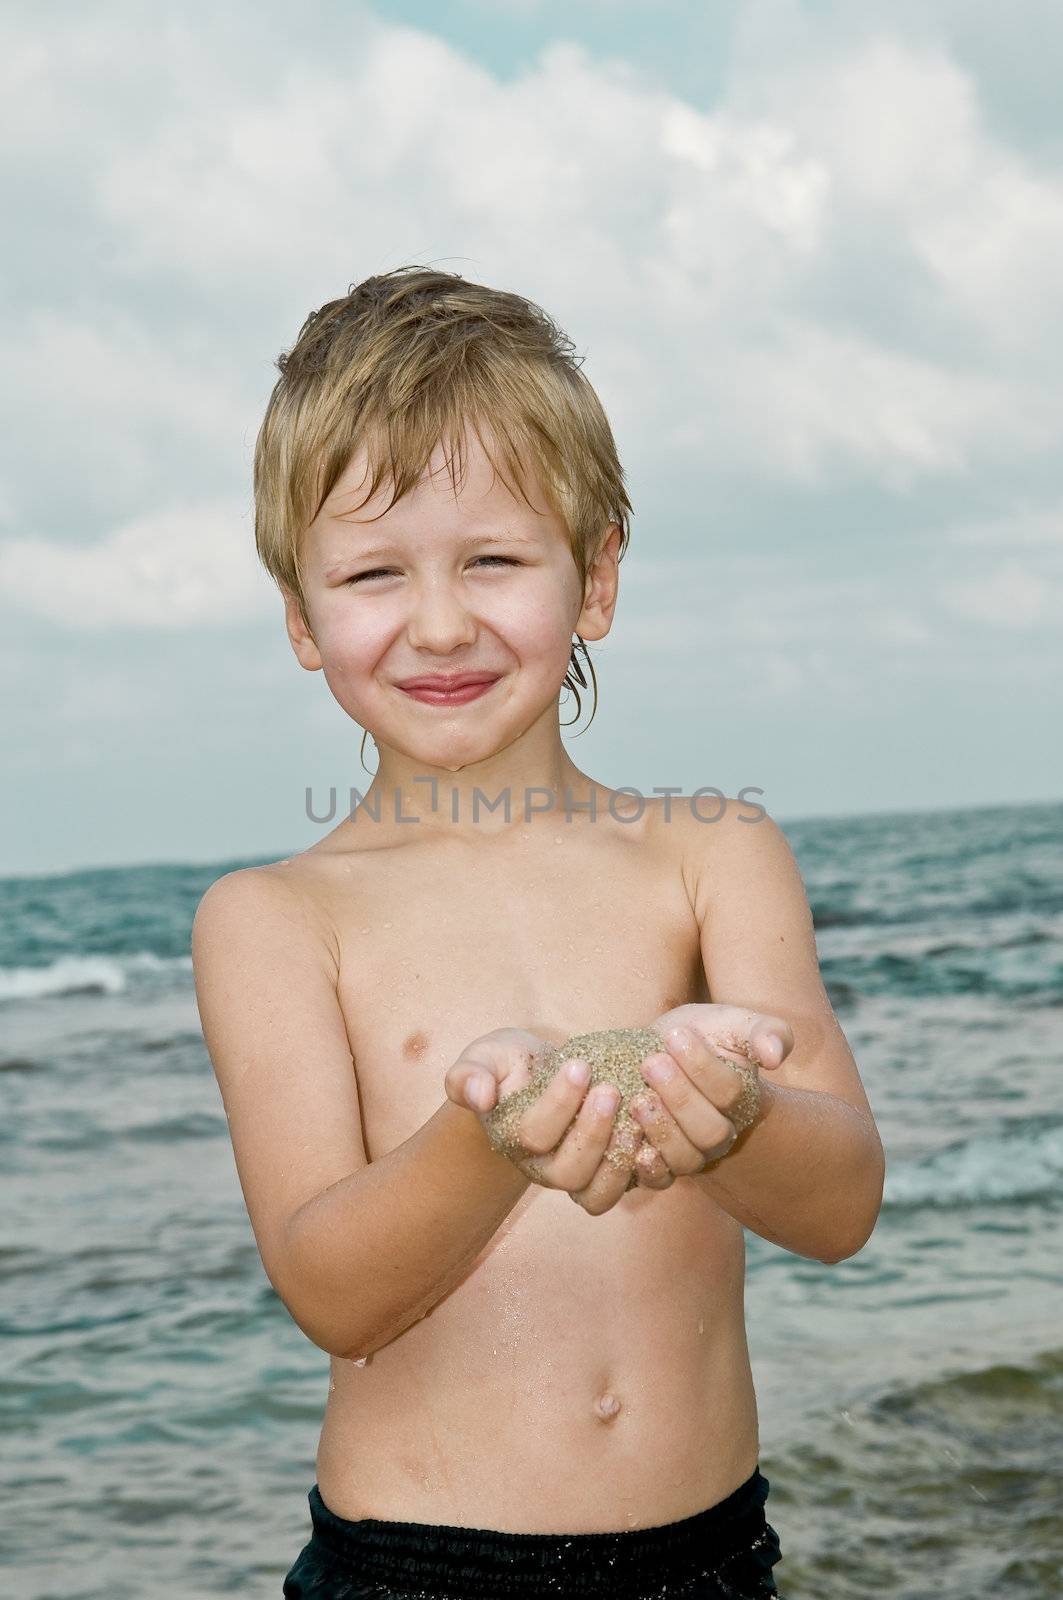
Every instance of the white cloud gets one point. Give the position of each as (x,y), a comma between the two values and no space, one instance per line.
(896,625)
(902,132)
(768,635)
(817,399)
(1026,525)
(1006,571)
(757,167)
(702,256)
(1011,596)
(184,568)
(123,402)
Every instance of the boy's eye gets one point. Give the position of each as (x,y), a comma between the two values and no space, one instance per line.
(383,572)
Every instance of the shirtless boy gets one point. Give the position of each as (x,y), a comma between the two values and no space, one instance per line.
(540,1377)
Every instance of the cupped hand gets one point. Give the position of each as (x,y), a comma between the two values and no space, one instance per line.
(689,1115)
(566,1139)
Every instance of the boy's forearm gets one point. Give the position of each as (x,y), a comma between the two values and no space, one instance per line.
(376,1251)
(807,1175)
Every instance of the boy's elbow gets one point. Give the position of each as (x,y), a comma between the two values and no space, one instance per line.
(324,1333)
(291,1268)
(844,1254)
(855,1238)
(323,1310)
(353,1342)
(304,1311)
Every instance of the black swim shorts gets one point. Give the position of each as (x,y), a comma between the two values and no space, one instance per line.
(726,1552)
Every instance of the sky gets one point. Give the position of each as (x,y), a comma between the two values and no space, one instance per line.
(810,253)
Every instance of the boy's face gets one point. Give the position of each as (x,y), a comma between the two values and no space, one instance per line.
(447,583)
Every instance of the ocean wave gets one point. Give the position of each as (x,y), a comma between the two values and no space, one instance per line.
(1025,1162)
(82,975)
(942,1486)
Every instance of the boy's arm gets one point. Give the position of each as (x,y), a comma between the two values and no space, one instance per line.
(356,1250)
(808,1175)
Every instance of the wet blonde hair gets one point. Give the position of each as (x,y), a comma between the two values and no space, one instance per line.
(409,360)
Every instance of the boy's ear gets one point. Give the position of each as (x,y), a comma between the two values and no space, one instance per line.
(603,581)
(302,640)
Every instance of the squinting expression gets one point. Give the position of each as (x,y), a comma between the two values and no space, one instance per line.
(442,582)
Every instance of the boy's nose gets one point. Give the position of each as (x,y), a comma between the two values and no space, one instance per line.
(439,620)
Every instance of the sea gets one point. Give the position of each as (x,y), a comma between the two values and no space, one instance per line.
(161,1409)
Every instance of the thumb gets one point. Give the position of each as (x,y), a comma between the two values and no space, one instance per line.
(773,1044)
(471,1083)
(479,1090)
(471,1086)
(502,1059)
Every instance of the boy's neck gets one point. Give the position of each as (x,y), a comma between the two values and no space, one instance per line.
(485,799)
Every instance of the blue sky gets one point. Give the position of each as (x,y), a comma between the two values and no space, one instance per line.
(813,254)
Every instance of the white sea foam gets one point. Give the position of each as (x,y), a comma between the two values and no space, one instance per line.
(84,975)
(1021,1163)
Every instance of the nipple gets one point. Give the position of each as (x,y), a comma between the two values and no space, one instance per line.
(607,1405)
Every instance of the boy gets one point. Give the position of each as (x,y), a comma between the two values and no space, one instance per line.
(528,1396)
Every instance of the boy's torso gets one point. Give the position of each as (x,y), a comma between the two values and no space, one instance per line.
(485,1413)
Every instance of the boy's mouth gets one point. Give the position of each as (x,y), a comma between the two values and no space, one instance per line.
(453,690)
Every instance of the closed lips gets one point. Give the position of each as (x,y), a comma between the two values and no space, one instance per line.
(462,682)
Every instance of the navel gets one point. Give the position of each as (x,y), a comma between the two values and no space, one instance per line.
(606,1406)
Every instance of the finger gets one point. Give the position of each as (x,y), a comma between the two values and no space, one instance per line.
(506,1055)
(476,1076)
(686,1118)
(731,1088)
(678,1155)
(614,1175)
(772,1040)
(579,1154)
(733,1028)
(765,1041)
(471,1082)
(543,1125)
(652,1170)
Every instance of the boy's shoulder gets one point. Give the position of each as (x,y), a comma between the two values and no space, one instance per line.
(743,886)
(291,890)
(261,881)
(706,824)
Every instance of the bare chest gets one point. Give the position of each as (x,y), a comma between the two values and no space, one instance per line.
(560,931)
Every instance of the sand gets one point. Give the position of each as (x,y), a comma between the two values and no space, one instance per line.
(614,1055)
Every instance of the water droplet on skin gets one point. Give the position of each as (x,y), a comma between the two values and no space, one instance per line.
(558,839)
(365,930)
(387,924)
(701,1324)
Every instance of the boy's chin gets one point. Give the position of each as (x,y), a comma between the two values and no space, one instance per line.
(435,755)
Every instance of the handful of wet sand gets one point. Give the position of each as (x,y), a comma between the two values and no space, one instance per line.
(614,1055)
